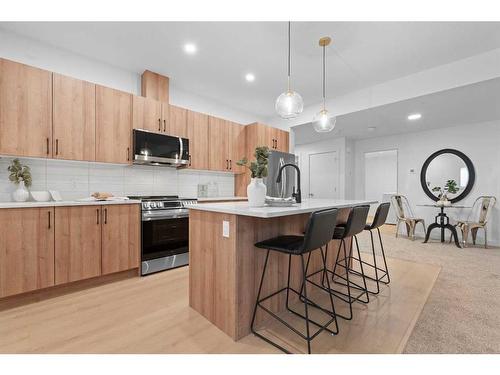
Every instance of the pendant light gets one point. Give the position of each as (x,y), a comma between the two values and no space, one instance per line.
(323,122)
(289,104)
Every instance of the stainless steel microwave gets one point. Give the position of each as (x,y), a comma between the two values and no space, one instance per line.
(160,149)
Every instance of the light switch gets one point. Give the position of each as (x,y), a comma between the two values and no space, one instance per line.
(225,228)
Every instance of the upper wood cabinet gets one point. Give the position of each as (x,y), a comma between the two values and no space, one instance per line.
(120,237)
(236,146)
(146,114)
(177,122)
(155,86)
(280,140)
(77,243)
(218,135)
(25,110)
(74,119)
(26,249)
(113,125)
(197,129)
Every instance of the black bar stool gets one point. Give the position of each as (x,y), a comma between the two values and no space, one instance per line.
(319,231)
(355,224)
(378,220)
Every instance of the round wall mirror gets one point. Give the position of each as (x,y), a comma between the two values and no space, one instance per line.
(448,171)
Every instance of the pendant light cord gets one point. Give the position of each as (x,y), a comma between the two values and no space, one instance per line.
(324,78)
(289,55)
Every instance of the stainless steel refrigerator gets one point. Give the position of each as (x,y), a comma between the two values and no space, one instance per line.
(288,184)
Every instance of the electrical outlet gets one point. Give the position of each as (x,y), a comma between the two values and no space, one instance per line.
(225,228)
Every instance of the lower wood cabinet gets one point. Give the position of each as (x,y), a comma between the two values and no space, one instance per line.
(120,237)
(26,250)
(77,243)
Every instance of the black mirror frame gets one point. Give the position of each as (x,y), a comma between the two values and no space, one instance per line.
(468,164)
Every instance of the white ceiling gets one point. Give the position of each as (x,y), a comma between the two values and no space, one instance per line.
(469,104)
(371,53)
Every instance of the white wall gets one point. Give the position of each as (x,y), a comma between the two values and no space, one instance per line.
(478,141)
(303,151)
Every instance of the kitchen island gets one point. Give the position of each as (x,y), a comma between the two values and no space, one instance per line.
(225,267)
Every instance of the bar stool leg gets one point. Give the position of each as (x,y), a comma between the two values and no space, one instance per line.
(362,272)
(383,256)
(306,305)
(323,256)
(374,263)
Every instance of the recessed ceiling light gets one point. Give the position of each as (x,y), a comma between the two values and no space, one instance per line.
(190,48)
(371,128)
(414,116)
(250,77)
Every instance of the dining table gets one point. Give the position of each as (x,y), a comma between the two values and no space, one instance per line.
(442,221)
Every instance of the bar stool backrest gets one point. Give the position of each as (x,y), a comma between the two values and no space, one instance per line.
(380,215)
(319,229)
(357,220)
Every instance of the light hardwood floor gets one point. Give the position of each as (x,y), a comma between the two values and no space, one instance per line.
(151,315)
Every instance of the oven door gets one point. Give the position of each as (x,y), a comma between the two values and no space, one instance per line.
(164,237)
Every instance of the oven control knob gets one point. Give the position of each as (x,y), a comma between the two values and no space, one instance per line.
(153,204)
(145,205)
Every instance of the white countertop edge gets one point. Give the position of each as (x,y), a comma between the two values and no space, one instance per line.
(64,203)
(241,208)
(215,199)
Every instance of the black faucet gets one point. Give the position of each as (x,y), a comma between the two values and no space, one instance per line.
(297,195)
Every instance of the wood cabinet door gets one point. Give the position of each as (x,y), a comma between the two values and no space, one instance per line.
(218,135)
(177,122)
(25,110)
(121,226)
(197,129)
(77,243)
(237,150)
(26,250)
(113,125)
(74,119)
(146,114)
(281,138)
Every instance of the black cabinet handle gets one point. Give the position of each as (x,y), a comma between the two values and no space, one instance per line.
(189,160)
(159,124)
(230,164)
(47,145)
(128,153)
(105,216)
(164,125)
(97,214)
(57,146)
(49,218)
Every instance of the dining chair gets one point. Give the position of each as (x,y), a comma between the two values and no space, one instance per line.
(404,214)
(481,209)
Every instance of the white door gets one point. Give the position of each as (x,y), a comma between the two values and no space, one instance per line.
(324,175)
(381,177)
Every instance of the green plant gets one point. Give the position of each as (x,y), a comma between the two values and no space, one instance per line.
(19,172)
(451,186)
(258,167)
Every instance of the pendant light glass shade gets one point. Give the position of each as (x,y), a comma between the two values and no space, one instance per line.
(289,104)
(323,122)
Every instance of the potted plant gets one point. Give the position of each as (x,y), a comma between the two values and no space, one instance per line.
(256,190)
(21,176)
(451,187)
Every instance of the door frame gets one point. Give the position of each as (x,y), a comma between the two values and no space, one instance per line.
(309,169)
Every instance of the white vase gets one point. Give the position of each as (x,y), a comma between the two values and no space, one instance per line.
(256,193)
(21,194)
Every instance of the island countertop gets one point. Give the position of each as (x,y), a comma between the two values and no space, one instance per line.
(307,206)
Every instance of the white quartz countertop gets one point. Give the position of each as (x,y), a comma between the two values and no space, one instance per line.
(309,205)
(215,199)
(64,203)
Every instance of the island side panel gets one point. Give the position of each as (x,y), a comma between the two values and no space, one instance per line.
(212,269)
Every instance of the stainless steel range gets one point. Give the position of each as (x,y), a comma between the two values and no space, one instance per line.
(165,232)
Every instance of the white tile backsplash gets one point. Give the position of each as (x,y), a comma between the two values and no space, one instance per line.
(76,180)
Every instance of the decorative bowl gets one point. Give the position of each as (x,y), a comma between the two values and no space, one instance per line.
(40,196)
